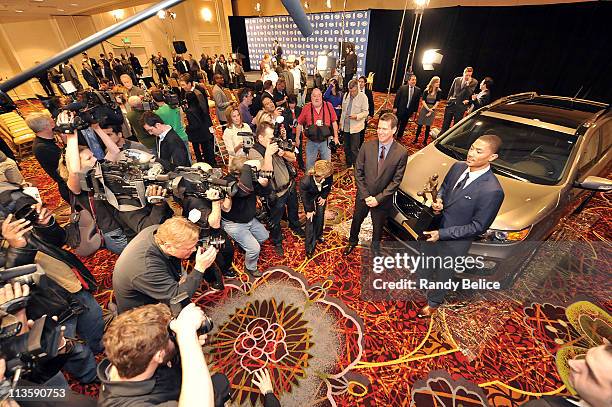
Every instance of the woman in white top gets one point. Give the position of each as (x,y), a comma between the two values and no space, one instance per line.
(269,74)
(233,142)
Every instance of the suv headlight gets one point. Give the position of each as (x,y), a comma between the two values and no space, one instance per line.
(505,236)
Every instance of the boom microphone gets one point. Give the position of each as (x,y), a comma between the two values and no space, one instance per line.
(297,13)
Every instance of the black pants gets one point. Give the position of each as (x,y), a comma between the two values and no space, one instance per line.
(47,87)
(205,151)
(401,124)
(347,79)
(443,249)
(163,78)
(351,147)
(452,113)
(314,228)
(379,217)
(277,210)
(362,134)
(418,133)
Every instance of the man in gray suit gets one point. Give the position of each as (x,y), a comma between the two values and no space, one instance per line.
(378,173)
(221,100)
(70,74)
(459,97)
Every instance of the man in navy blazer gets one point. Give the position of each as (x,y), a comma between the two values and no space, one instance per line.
(468,200)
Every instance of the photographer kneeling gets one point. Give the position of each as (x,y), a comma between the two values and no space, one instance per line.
(239,219)
(143,369)
(150,271)
(206,213)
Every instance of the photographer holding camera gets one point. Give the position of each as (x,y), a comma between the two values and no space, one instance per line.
(238,218)
(206,213)
(142,366)
(67,286)
(266,150)
(150,271)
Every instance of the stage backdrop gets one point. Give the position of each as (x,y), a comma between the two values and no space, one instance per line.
(262,31)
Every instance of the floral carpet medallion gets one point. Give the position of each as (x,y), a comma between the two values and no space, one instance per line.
(279,322)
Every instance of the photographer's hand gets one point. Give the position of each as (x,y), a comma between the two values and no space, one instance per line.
(12,292)
(44,215)
(188,321)
(271,149)
(261,378)
(155,194)
(205,258)
(13,231)
(213,194)
(5,403)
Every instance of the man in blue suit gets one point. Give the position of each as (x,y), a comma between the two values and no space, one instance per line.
(468,201)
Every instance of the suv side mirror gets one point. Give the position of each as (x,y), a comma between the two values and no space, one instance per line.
(593,183)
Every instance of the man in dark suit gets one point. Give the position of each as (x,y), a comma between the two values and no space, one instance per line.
(182,66)
(350,67)
(468,200)
(315,187)
(70,74)
(459,97)
(222,69)
(171,150)
(104,69)
(164,63)
(378,173)
(278,52)
(406,103)
(484,97)
(136,66)
(363,88)
(89,75)
(90,61)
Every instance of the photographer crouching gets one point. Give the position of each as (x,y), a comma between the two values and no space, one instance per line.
(143,368)
(66,289)
(205,212)
(149,269)
(279,160)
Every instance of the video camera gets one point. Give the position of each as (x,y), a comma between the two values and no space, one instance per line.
(123,183)
(93,107)
(248,141)
(22,352)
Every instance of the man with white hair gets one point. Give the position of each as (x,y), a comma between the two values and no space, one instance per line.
(131,90)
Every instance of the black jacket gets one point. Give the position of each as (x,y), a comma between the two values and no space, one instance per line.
(350,64)
(401,101)
(90,78)
(172,151)
(198,125)
(310,193)
(481,101)
(370,96)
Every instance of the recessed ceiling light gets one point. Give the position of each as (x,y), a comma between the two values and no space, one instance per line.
(18,11)
(73,4)
(60,9)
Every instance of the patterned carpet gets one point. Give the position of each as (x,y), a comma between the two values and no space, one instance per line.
(305,320)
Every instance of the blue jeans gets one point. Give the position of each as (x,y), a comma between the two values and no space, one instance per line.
(313,149)
(90,327)
(115,240)
(249,236)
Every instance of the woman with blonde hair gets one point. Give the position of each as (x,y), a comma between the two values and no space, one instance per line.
(234,142)
(431,98)
(315,188)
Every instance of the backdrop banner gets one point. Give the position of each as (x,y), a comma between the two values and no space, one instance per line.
(262,31)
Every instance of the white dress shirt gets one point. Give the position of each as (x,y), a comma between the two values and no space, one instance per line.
(473,176)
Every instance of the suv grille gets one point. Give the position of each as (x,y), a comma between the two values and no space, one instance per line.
(408,205)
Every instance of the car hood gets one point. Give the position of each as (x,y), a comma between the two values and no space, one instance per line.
(524,203)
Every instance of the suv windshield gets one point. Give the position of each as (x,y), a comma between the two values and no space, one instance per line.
(529,153)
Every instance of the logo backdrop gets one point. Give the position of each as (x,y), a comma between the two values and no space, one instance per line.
(262,31)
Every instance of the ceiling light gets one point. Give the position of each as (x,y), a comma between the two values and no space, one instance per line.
(73,4)
(60,9)
(161,14)
(118,14)
(18,11)
(206,14)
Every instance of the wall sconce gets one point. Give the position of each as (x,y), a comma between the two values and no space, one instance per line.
(161,14)
(306,5)
(118,14)
(258,7)
(328,4)
(206,14)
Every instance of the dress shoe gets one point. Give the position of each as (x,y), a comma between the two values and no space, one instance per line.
(254,273)
(415,141)
(299,231)
(309,254)
(278,249)
(349,249)
(427,311)
(217,286)
(229,273)
(321,240)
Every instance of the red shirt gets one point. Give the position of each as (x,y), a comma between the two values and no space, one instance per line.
(327,115)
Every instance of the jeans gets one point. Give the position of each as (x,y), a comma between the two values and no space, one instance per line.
(249,236)
(89,325)
(313,149)
(115,240)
